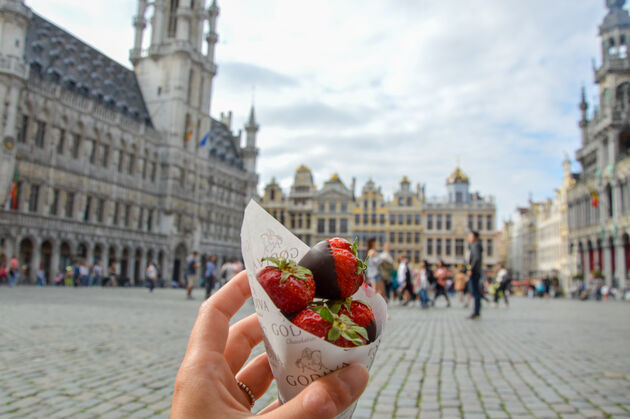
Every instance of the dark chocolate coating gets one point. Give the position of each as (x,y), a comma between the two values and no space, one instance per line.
(322,264)
(371,331)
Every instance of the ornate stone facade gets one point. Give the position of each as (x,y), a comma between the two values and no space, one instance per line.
(112,164)
(413,225)
(599,202)
(536,240)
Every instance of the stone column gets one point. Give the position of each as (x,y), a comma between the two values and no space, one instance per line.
(167,269)
(184,15)
(3,93)
(608,273)
(143,265)
(587,264)
(54,260)
(617,201)
(139,24)
(158,22)
(620,262)
(89,252)
(12,112)
(35,260)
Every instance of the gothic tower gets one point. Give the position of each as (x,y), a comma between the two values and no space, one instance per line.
(14,20)
(176,71)
(250,152)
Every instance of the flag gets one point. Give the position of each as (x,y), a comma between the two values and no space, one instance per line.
(594,198)
(204,140)
(188,135)
(15,190)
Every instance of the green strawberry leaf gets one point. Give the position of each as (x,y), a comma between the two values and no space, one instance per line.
(333,334)
(275,261)
(335,307)
(363,302)
(361,265)
(327,314)
(360,330)
(352,337)
(347,320)
(348,303)
(285,276)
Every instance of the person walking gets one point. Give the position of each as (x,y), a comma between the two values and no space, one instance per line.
(97,273)
(441,276)
(112,273)
(372,274)
(404,279)
(228,270)
(84,273)
(474,272)
(3,272)
(41,276)
(385,268)
(69,279)
(14,271)
(210,275)
(503,282)
(152,274)
(460,283)
(191,273)
(424,284)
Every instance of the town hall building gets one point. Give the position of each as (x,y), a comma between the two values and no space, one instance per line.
(102,163)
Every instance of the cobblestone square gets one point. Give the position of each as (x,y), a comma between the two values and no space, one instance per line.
(94,352)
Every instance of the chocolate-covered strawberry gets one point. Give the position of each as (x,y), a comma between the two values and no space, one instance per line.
(337,270)
(359,312)
(337,329)
(291,287)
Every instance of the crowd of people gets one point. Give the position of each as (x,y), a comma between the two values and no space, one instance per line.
(80,273)
(401,283)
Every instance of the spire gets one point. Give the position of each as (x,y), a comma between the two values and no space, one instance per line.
(583,104)
(615,4)
(251,122)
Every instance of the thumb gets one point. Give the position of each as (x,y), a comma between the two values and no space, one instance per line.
(326,397)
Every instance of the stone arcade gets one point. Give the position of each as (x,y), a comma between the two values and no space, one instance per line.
(109,161)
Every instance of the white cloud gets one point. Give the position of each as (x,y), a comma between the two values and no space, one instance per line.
(386,89)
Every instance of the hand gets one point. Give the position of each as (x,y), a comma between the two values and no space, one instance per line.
(206,384)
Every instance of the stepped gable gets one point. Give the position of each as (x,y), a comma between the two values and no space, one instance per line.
(57,56)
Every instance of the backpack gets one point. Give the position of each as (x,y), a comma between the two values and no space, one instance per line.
(385,270)
(430,276)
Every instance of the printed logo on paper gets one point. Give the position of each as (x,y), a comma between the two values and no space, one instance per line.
(310,360)
(271,241)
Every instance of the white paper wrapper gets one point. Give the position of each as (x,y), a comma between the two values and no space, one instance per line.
(296,356)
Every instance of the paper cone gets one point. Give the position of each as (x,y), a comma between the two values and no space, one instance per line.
(297,357)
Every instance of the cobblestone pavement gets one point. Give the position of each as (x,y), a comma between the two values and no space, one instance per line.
(115,352)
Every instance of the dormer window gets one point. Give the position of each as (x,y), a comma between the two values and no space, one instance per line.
(54,75)
(36,68)
(84,90)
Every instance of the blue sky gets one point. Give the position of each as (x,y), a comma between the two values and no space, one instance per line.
(386,89)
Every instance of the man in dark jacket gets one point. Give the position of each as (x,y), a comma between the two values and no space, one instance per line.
(474,271)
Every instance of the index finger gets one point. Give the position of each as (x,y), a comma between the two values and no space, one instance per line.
(212,326)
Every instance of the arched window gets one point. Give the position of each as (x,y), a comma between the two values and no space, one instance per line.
(624,142)
(622,96)
(609,200)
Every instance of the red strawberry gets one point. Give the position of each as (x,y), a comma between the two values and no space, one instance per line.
(337,270)
(290,287)
(336,329)
(359,312)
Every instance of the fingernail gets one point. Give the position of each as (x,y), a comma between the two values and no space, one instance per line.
(355,377)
